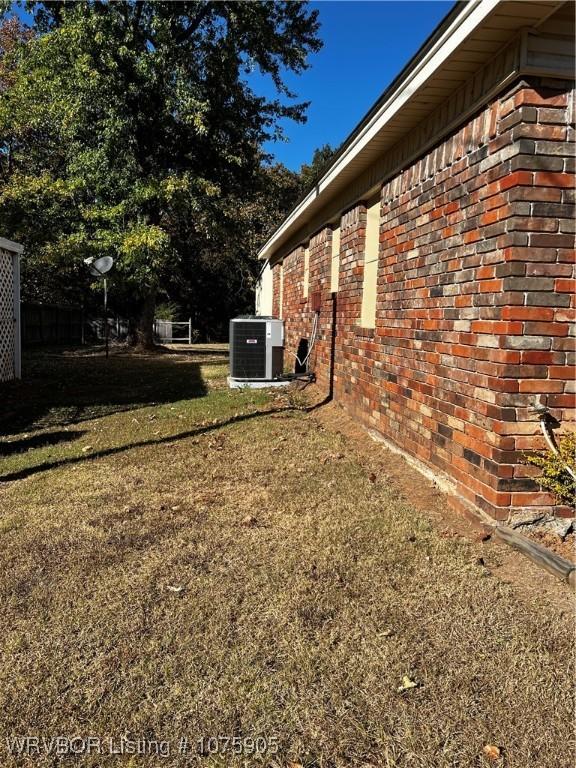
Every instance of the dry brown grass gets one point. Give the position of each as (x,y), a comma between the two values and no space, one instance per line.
(299,624)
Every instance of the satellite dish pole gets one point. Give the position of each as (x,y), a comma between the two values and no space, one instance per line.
(98,268)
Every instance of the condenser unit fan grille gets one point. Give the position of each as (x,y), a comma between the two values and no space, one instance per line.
(249,343)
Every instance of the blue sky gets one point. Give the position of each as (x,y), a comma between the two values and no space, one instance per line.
(366,44)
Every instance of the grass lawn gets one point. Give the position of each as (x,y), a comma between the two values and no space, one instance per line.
(179,562)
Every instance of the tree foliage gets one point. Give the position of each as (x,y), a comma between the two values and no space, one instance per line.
(311,173)
(130,129)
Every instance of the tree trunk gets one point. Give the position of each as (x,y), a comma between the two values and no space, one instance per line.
(131,336)
(145,325)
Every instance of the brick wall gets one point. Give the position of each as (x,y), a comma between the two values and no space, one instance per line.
(295,308)
(475,298)
(276,278)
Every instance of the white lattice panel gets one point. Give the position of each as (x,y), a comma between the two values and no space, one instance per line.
(7,327)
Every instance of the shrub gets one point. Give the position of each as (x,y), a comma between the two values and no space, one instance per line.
(555,478)
(168,310)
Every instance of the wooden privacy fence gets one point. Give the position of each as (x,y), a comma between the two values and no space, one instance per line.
(44,325)
(94,329)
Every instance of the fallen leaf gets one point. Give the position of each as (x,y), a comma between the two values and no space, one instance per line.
(492,752)
(407,683)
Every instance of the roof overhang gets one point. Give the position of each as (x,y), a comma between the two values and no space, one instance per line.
(469,36)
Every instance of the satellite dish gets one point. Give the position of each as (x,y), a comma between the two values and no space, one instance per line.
(100,266)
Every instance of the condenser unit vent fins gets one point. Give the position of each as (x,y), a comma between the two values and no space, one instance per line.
(249,343)
(256,348)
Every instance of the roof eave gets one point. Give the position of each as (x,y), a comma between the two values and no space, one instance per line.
(457,25)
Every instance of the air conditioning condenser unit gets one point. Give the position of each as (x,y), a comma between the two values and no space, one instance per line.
(256,350)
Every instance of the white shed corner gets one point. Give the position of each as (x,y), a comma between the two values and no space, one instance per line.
(10,342)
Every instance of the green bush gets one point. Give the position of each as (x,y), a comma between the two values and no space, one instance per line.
(167,310)
(555,478)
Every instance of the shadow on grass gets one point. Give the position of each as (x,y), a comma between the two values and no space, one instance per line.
(63,387)
(196,351)
(29,471)
(40,440)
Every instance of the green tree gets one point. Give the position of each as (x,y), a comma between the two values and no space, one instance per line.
(230,270)
(130,129)
(218,283)
(309,174)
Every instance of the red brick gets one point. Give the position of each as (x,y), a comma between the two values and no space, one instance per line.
(562,401)
(490,286)
(566,372)
(540,385)
(472,236)
(484,273)
(565,286)
(492,327)
(537,357)
(551,179)
(490,217)
(565,315)
(517,179)
(528,96)
(527,313)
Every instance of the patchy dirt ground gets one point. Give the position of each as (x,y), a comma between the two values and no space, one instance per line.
(566,547)
(181,562)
